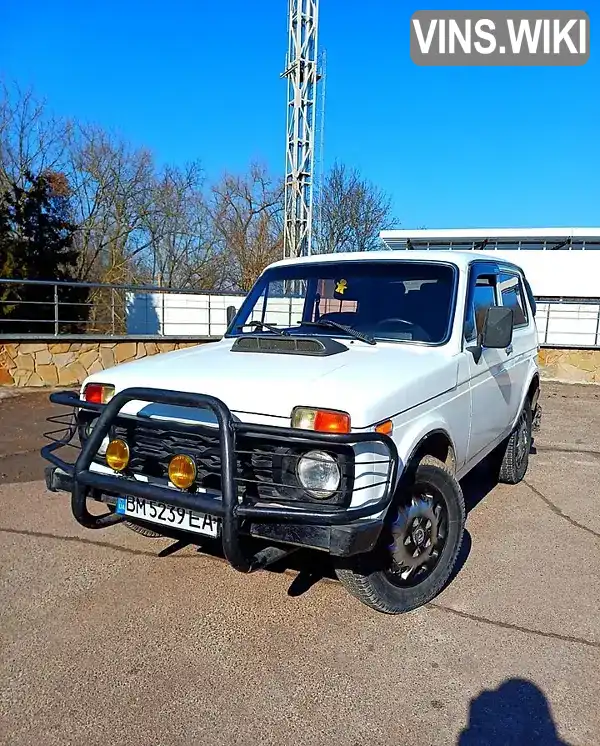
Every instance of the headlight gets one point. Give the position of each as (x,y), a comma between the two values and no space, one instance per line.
(318,473)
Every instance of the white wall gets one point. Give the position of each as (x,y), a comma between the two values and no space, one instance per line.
(562,273)
(177,314)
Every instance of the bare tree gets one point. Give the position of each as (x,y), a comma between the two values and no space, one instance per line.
(352,211)
(135,223)
(184,252)
(247,216)
(106,180)
(112,198)
(31,140)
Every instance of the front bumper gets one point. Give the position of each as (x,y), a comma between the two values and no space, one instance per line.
(340,531)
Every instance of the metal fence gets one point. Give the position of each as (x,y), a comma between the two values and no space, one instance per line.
(568,322)
(38,309)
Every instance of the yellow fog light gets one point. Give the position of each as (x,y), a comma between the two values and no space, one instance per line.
(182,471)
(117,454)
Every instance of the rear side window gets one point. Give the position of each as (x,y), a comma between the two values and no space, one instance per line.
(513,297)
(484,296)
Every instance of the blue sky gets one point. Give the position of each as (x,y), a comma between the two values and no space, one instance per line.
(455,147)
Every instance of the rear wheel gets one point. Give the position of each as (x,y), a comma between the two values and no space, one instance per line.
(418,546)
(515,459)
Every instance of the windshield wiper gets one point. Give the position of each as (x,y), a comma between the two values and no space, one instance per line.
(328,323)
(263,325)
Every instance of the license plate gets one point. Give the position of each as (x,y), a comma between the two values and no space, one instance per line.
(167,515)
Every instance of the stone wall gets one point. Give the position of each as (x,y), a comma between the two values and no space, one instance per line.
(573,366)
(68,363)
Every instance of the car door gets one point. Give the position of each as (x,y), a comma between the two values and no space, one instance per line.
(524,342)
(490,382)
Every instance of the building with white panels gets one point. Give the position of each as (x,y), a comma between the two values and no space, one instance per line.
(561,264)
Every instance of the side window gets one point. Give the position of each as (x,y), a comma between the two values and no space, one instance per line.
(513,297)
(483,297)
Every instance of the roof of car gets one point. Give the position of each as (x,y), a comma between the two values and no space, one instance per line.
(461,259)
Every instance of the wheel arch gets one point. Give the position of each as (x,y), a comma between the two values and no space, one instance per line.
(437,443)
(530,392)
(533,390)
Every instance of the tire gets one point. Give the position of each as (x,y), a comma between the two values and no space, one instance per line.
(368,577)
(515,459)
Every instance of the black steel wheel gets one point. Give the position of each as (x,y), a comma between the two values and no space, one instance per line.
(418,547)
(515,458)
(418,535)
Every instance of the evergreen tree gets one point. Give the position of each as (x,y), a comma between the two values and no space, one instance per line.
(36,243)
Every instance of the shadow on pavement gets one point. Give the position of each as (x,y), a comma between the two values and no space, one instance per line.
(311,569)
(514,714)
(314,567)
(478,484)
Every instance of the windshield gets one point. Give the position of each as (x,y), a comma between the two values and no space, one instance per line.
(399,301)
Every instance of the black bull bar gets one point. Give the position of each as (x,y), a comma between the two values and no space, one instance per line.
(224,505)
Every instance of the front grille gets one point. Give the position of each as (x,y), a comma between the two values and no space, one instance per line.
(264,469)
(152,447)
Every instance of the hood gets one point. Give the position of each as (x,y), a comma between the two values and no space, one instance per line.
(371,383)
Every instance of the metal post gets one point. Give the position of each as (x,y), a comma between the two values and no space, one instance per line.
(56,310)
(598,325)
(112,310)
(209,297)
(548,306)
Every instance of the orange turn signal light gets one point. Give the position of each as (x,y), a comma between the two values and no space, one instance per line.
(385,428)
(321,420)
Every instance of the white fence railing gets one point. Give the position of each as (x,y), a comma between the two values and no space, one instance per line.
(561,322)
(39,309)
(568,323)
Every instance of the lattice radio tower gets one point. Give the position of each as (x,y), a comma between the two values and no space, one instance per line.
(302,76)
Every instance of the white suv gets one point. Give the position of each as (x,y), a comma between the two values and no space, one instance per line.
(347,399)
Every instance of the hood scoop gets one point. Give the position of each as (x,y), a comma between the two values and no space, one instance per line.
(289,345)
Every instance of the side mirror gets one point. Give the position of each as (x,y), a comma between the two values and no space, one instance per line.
(231,312)
(498,327)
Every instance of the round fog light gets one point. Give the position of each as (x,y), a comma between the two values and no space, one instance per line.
(319,474)
(117,454)
(182,471)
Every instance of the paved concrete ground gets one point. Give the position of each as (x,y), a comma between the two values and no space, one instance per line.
(104,641)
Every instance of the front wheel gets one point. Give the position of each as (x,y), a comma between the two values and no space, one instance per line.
(418,547)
